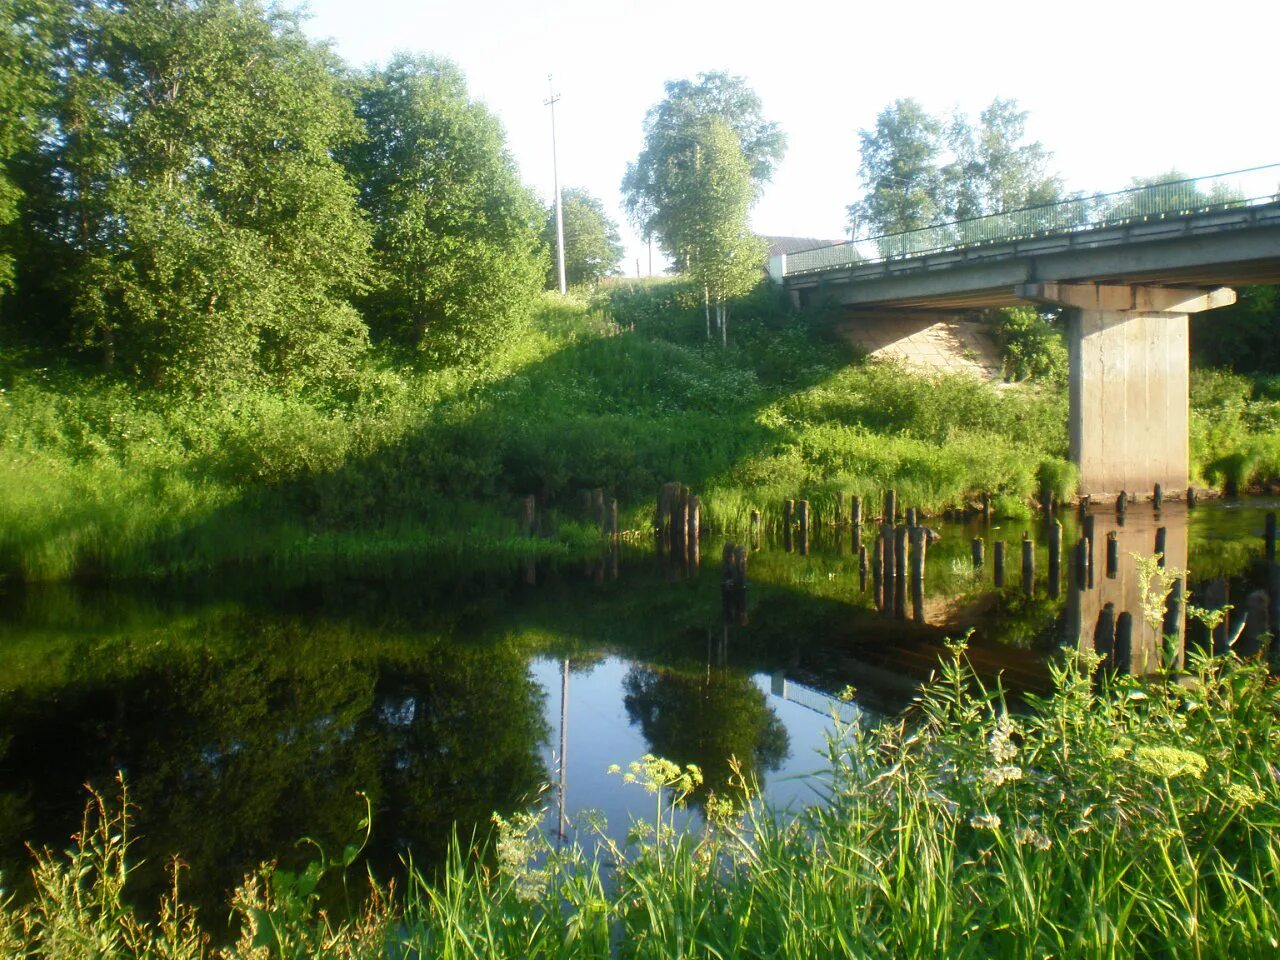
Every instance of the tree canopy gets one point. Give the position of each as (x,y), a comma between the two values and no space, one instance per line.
(592,247)
(711,198)
(23,92)
(651,188)
(457,236)
(193,216)
(918,170)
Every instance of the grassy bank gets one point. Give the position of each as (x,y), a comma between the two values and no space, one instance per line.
(1139,819)
(102,478)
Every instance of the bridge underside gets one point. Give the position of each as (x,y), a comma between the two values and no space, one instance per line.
(1126,300)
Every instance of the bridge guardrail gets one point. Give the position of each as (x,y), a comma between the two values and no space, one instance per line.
(1174,198)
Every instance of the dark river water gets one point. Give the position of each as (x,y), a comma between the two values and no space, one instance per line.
(250,711)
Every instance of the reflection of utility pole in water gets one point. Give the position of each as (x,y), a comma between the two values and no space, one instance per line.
(564,744)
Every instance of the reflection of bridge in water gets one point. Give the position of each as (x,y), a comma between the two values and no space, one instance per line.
(1097,598)
(811,698)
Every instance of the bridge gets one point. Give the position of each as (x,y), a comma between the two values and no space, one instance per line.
(1126,268)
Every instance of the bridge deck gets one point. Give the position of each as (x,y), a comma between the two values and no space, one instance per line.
(1221,247)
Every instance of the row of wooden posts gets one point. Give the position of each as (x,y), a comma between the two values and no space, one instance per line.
(899,549)
(679,509)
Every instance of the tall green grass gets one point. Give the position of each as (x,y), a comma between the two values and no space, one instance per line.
(100,478)
(1121,818)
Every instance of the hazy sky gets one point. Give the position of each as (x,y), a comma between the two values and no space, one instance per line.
(1114,89)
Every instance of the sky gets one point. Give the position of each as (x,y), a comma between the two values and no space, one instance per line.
(1113,89)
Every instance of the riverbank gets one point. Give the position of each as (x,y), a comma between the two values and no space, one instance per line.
(1138,818)
(103,479)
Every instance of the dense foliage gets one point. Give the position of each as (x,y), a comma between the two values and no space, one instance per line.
(592,247)
(457,236)
(919,170)
(188,215)
(209,199)
(655,187)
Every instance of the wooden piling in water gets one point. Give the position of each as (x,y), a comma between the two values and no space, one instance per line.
(986,507)
(613,520)
(1121,504)
(755,528)
(886,535)
(997,562)
(978,549)
(1191,498)
(1055,558)
(855,521)
(680,524)
(1083,506)
(1089,530)
(1157,498)
(1028,565)
(862,569)
(1124,643)
(918,547)
(788,516)
(877,571)
(528,515)
(695,529)
(1162,540)
(1104,634)
(890,513)
(1173,609)
(901,551)
(911,518)
(1113,554)
(1269,537)
(666,496)
(1081,563)
(802,508)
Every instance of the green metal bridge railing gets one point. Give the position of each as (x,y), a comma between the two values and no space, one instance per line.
(1160,201)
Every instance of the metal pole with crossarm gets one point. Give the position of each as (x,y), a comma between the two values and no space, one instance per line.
(555,179)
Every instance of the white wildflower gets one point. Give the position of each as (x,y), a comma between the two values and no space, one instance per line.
(1000,745)
(995,776)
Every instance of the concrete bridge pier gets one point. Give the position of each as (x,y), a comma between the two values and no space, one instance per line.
(1129,380)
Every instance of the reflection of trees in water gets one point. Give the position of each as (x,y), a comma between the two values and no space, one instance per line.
(706,718)
(235,747)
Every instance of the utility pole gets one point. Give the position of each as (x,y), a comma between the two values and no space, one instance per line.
(551,102)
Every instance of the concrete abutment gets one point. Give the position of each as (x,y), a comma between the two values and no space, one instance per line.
(1129,381)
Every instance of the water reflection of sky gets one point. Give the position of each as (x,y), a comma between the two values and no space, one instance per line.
(600,733)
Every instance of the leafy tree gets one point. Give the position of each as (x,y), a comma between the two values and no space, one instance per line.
(901,172)
(23,99)
(708,226)
(651,187)
(203,232)
(993,170)
(592,247)
(1244,337)
(456,235)
(920,172)
(707,719)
